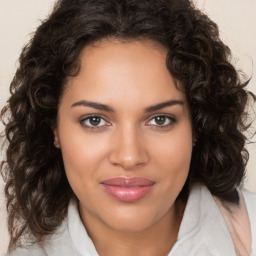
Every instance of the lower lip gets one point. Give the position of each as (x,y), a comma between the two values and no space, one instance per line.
(128,194)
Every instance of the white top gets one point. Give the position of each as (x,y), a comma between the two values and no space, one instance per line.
(203,231)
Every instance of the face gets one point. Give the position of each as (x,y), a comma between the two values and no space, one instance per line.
(125,133)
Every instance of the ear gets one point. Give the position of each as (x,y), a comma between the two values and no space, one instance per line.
(56,138)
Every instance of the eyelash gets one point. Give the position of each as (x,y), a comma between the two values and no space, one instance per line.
(172,121)
(91,127)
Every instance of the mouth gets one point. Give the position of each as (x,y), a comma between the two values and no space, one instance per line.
(128,189)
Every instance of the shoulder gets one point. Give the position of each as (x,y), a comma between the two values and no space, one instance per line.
(33,250)
(58,244)
(240,219)
(53,245)
(250,201)
(67,240)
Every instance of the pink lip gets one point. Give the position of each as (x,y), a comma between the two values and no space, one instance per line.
(128,189)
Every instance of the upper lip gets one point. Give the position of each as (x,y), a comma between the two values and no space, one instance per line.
(128,182)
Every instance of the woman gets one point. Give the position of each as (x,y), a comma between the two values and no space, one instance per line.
(125,135)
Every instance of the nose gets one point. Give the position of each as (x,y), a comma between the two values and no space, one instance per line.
(128,149)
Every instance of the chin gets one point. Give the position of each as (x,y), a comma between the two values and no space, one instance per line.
(130,225)
(130,220)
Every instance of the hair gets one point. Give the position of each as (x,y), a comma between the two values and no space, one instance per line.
(37,189)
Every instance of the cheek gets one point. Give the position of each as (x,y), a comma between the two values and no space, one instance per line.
(175,147)
(173,166)
(173,156)
(81,163)
(80,148)
(82,156)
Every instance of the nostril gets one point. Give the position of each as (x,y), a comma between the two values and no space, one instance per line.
(128,148)
(128,161)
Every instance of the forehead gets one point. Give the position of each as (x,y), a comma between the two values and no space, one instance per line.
(136,70)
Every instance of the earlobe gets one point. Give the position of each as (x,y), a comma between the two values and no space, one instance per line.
(56,138)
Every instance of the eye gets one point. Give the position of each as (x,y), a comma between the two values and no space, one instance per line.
(161,121)
(94,122)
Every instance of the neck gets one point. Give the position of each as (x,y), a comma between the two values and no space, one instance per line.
(157,240)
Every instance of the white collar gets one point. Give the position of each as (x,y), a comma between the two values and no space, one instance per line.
(203,229)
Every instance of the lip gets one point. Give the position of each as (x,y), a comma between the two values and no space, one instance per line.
(128,189)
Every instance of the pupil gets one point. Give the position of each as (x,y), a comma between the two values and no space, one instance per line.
(94,120)
(160,120)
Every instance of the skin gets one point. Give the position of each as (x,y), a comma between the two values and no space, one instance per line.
(127,141)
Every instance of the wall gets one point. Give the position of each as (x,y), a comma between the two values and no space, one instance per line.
(18,18)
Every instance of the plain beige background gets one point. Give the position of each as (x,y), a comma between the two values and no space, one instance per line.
(18,18)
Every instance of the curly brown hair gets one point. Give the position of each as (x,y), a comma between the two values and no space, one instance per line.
(37,189)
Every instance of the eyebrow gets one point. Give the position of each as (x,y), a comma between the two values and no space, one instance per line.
(95,105)
(107,108)
(165,104)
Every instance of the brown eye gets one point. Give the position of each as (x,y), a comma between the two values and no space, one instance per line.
(161,121)
(94,122)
